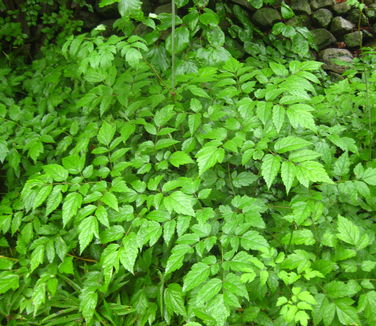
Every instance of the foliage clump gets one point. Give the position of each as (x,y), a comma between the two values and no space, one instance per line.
(216,192)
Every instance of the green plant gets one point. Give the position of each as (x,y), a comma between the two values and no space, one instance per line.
(242,193)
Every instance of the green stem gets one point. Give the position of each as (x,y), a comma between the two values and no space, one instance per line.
(173,23)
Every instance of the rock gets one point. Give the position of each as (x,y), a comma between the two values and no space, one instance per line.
(108,12)
(331,55)
(355,16)
(353,39)
(244,3)
(300,21)
(317,4)
(341,25)
(266,16)
(323,17)
(371,13)
(322,37)
(301,6)
(341,8)
(163,8)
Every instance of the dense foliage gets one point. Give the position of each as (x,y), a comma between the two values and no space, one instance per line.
(192,177)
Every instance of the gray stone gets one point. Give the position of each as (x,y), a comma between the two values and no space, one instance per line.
(163,8)
(322,37)
(353,39)
(243,3)
(266,16)
(341,26)
(341,8)
(331,55)
(323,17)
(301,6)
(300,21)
(317,4)
(356,16)
(107,12)
(371,14)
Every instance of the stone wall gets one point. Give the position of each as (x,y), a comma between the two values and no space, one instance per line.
(338,29)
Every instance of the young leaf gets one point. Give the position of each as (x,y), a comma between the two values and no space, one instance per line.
(87,229)
(175,261)
(278,117)
(290,143)
(347,231)
(299,115)
(179,203)
(42,196)
(8,281)
(110,200)
(208,291)
(198,274)
(129,251)
(70,206)
(88,303)
(180,158)
(56,172)
(54,199)
(303,155)
(288,172)
(347,314)
(106,133)
(270,168)
(252,240)
(315,172)
(129,7)
(174,300)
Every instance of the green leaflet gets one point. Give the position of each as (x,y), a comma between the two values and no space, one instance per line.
(290,143)
(129,7)
(87,229)
(110,200)
(208,291)
(288,172)
(88,303)
(179,203)
(175,260)
(270,168)
(350,233)
(129,251)
(8,281)
(56,172)
(180,158)
(106,133)
(209,156)
(71,205)
(196,276)
(174,300)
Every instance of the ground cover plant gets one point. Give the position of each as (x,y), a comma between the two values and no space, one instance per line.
(188,175)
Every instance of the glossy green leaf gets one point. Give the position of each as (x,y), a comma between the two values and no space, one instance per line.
(71,205)
(56,172)
(110,200)
(87,229)
(270,168)
(288,172)
(180,158)
(209,156)
(106,133)
(290,143)
(129,251)
(174,300)
(179,203)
